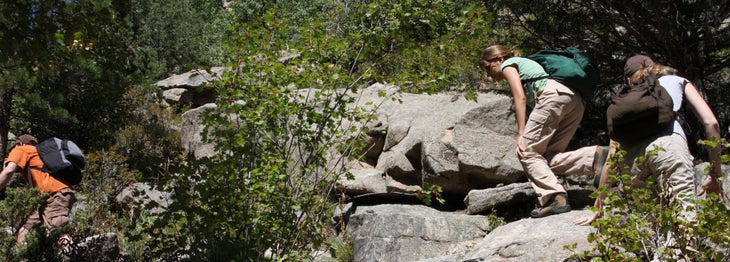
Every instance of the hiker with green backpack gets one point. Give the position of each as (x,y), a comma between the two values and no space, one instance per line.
(672,164)
(54,212)
(556,112)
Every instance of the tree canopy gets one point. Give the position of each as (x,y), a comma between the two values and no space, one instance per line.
(691,36)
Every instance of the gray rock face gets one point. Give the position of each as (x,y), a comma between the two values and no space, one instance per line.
(411,232)
(192,129)
(419,233)
(529,239)
(189,79)
(140,196)
(478,201)
(190,88)
(417,140)
(444,139)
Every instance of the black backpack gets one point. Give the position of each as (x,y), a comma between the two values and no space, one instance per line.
(640,111)
(62,158)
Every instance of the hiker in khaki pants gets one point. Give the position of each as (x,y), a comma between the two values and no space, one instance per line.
(543,137)
(54,212)
(673,164)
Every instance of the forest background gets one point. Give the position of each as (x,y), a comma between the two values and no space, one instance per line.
(85,70)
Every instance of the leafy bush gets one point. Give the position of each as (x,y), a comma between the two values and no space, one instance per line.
(268,195)
(423,46)
(637,221)
(18,204)
(151,143)
(105,176)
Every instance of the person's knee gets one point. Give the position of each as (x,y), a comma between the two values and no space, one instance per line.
(22,232)
(57,222)
(529,157)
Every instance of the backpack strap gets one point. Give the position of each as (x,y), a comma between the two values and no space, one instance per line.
(534,79)
(686,127)
(30,177)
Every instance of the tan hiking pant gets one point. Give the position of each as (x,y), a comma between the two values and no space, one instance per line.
(548,131)
(673,164)
(54,213)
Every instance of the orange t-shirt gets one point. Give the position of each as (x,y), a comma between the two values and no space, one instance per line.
(27,155)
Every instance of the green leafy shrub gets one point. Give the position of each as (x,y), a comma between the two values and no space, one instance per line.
(423,46)
(105,176)
(269,193)
(151,143)
(637,221)
(17,204)
(432,192)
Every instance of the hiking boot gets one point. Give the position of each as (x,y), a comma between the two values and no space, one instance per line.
(558,204)
(599,161)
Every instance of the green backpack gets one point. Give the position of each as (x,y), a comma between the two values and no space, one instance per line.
(571,67)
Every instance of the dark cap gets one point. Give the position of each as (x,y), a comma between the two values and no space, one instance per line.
(26,139)
(635,63)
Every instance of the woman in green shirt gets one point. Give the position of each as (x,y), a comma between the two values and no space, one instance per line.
(545,132)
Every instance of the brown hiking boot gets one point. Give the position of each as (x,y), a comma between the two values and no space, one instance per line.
(599,161)
(558,204)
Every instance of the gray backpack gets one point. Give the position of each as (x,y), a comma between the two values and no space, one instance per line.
(62,158)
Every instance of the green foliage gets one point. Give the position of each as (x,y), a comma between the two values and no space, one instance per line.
(423,46)
(715,142)
(105,176)
(495,220)
(171,37)
(297,12)
(151,143)
(430,193)
(341,250)
(68,64)
(17,205)
(71,67)
(270,189)
(638,219)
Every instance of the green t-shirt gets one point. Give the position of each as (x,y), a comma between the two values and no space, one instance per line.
(528,69)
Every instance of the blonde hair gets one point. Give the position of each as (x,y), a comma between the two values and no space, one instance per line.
(496,51)
(655,69)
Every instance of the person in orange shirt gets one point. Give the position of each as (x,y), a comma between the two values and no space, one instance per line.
(54,213)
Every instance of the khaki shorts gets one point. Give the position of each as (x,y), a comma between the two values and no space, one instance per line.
(54,213)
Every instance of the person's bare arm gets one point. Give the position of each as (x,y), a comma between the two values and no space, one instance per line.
(712,129)
(7,174)
(518,93)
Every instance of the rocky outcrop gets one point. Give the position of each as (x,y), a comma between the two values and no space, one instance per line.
(411,232)
(419,233)
(542,239)
(191,88)
(467,148)
(419,140)
(141,196)
(447,140)
(192,132)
